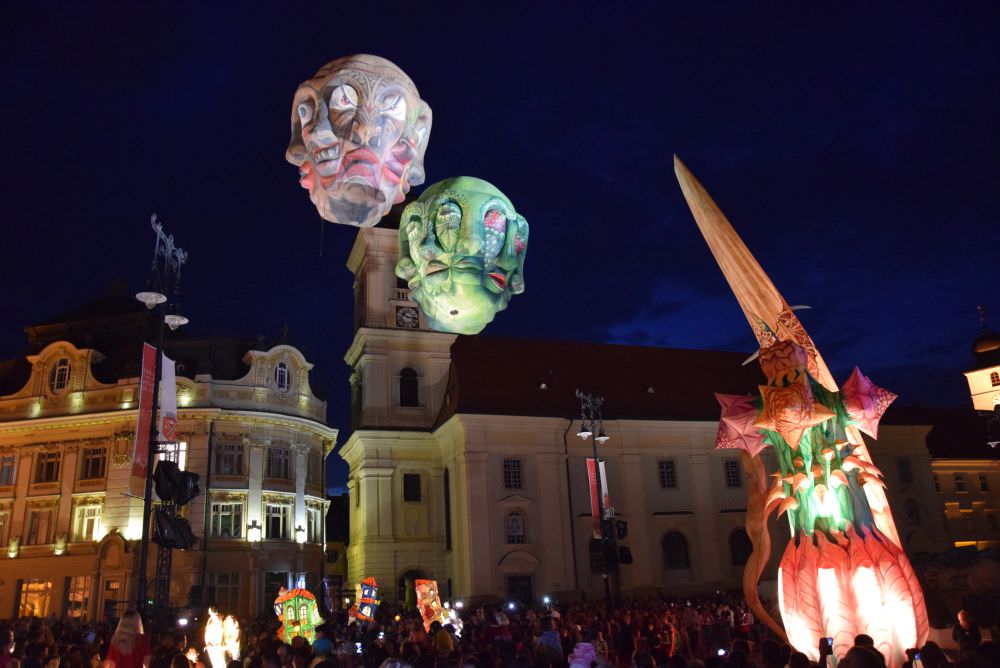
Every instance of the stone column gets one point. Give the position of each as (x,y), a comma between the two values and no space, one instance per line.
(299,464)
(704,549)
(255,510)
(68,474)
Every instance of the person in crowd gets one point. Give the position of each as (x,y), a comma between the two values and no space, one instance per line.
(966,633)
(129,647)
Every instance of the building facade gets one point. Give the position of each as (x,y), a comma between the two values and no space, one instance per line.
(249,425)
(465,466)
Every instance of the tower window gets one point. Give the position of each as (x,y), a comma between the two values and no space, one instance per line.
(411,487)
(281,377)
(512,473)
(59,378)
(408,395)
(732,473)
(515,528)
(994,379)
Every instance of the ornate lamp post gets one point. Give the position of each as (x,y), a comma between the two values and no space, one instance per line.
(160,295)
(592,427)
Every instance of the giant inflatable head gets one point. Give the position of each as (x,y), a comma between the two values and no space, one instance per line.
(359,132)
(462,248)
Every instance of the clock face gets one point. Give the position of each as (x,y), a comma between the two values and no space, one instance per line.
(407,317)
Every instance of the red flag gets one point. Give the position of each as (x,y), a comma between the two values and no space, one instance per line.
(140,449)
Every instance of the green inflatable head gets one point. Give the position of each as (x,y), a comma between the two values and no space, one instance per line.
(462,248)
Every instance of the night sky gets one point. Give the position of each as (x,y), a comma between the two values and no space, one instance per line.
(855,147)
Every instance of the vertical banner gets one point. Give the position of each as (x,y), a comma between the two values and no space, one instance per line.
(608,510)
(168,401)
(594,506)
(140,448)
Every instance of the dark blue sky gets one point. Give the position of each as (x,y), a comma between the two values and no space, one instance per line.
(855,147)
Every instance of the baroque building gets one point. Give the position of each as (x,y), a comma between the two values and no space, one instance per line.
(465,467)
(248,422)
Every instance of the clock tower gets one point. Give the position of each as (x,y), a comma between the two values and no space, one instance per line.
(399,366)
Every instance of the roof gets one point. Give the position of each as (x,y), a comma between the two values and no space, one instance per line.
(509,376)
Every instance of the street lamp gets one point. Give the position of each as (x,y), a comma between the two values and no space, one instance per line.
(254,532)
(592,427)
(164,282)
(300,535)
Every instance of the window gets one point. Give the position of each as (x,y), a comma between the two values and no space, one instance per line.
(4,526)
(7,470)
(959,482)
(411,487)
(731,469)
(87,523)
(912,511)
(937,483)
(229,459)
(740,547)
(675,551)
(408,395)
(226,589)
(59,377)
(515,528)
(175,452)
(512,474)
(994,378)
(314,470)
(282,378)
(991,521)
(78,590)
(984,483)
(35,598)
(227,519)
(92,464)
(276,520)
(39,527)
(277,463)
(668,473)
(905,471)
(314,525)
(47,468)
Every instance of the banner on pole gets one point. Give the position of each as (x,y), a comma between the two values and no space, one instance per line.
(168,401)
(609,512)
(594,506)
(140,447)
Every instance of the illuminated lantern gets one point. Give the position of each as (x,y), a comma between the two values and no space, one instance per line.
(359,132)
(298,614)
(429,603)
(366,601)
(461,250)
(844,571)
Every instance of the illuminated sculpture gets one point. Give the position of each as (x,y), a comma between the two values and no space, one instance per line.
(462,248)
(844,572)
(366,601)
(429,603)
(359,132)
(215,639)
(299,616)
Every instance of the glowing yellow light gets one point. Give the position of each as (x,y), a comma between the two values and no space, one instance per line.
(184,398)
(134,529)
(126,405)
(36,409)
(76,402)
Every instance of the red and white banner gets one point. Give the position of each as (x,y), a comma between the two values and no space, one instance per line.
(168,401)
(140,448)
(594,505)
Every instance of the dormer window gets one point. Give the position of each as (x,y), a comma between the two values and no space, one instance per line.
(281,377)
(59,378)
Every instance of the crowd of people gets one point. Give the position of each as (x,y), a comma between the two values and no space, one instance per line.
(716,632)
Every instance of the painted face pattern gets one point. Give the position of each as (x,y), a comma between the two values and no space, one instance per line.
(461,249)
(359,133)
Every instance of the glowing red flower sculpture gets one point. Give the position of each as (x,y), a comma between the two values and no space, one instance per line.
(866,402)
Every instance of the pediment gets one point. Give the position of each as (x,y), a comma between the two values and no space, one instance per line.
(515,500)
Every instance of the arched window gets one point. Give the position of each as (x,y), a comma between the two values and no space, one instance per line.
(994,379)
(408,395)
(59,378)
(282,378)
(514,526)
(675,551)
(740,547)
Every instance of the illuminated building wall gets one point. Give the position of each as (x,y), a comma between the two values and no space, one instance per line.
(67,418)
